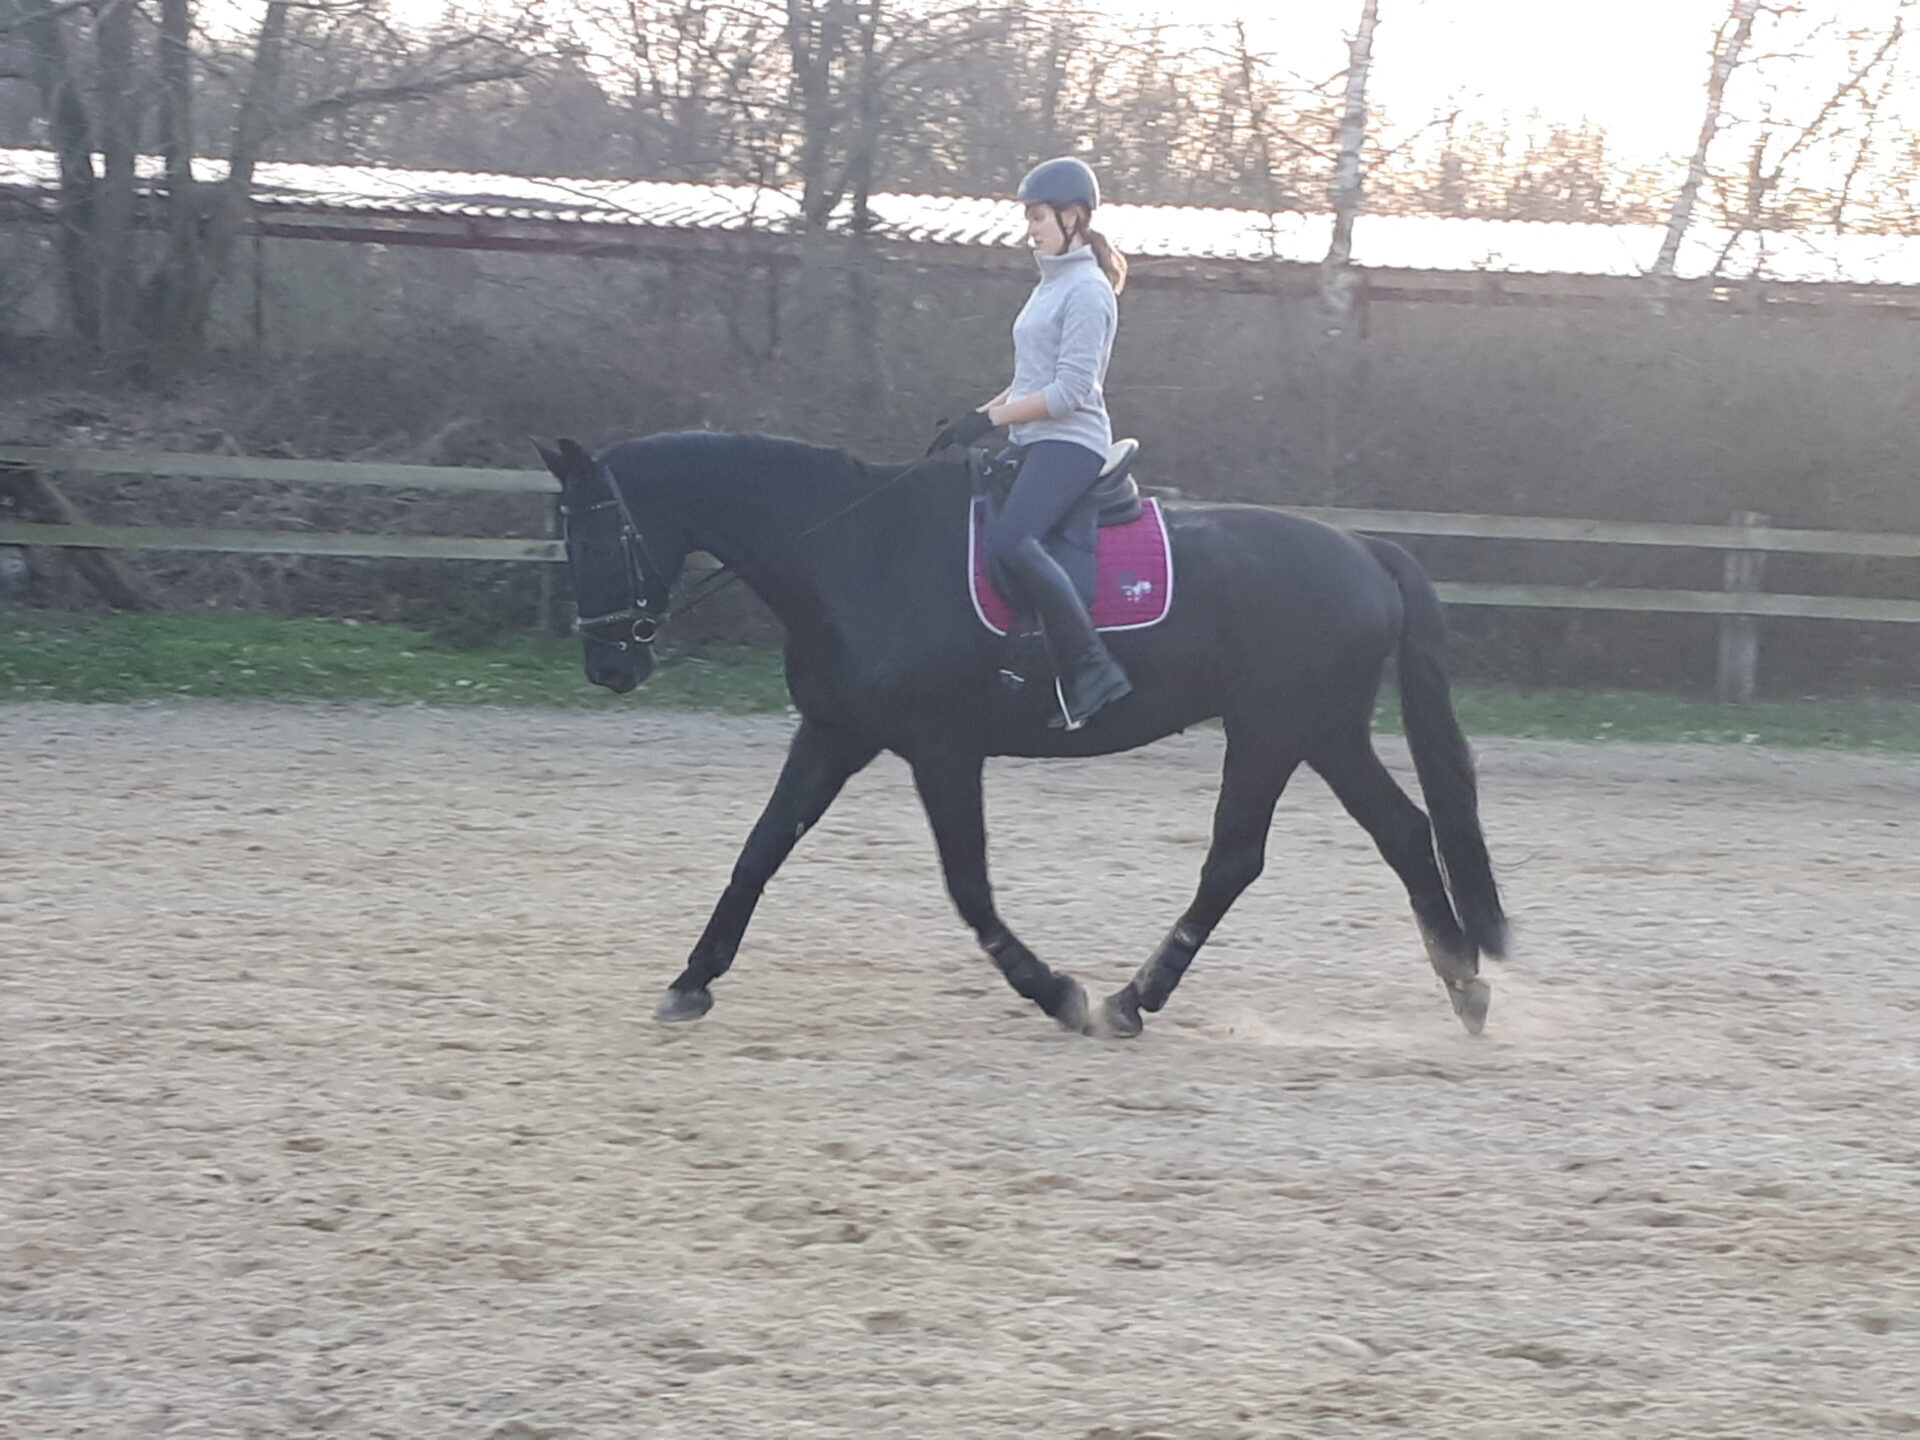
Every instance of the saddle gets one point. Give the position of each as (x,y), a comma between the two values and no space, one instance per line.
(1113,544)
(1112,499)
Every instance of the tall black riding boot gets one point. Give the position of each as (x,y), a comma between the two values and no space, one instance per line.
(1088,677)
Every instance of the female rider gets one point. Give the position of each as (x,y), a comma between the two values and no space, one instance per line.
(1056,412)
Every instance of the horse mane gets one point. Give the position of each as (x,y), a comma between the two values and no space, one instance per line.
(744,453)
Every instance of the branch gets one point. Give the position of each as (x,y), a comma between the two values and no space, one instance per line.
(1846,88)
(401,93)
(1438,122)
(51,12)
(989,31)
(1763,183)
(1861,152)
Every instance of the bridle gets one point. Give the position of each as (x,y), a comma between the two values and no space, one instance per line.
(648,604)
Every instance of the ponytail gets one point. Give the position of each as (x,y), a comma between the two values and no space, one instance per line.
(1112,263)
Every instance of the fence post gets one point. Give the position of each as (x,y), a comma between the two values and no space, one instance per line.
(553,619)
(1740,634)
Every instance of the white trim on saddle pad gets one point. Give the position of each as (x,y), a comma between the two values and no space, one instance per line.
(1149,503)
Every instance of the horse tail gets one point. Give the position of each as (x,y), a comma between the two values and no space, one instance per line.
(1441,755)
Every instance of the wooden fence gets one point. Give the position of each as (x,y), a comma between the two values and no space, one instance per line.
(1741,602)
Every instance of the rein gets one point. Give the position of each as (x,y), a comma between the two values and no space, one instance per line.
(643,616)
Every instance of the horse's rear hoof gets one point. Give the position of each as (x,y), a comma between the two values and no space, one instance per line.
(1119,1017)
(1070,1010)
(1471,999)
(684,1005)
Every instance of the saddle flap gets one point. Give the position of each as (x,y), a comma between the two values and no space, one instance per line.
(1116,500)
(1131,573)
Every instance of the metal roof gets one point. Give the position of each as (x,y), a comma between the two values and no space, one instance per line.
(1407,243)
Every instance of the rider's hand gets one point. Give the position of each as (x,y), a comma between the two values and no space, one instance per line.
(963,432)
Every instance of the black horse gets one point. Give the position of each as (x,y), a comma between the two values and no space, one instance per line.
(1281,627)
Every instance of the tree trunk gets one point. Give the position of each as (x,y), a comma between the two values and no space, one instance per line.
(1727,49)
(71,131)
(1339,286)
(180,273)
(1345,192)
(861,161)
(118,277)
(814,40)
(182,304)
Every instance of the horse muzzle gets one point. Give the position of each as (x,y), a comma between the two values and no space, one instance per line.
(620,670)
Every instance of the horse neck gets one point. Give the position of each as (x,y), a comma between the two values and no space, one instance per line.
(795,522)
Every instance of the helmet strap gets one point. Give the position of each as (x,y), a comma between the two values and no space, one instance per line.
(1066,235)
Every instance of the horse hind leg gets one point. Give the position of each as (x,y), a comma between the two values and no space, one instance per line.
(1252,779)
(1404,837)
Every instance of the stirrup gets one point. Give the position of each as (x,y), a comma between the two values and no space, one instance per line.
(1114,686)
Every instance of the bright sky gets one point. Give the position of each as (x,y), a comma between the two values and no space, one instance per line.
(1635,67)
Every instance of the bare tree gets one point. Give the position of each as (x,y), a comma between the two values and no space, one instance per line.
(1729,42)
(1766,167)
(1791,147)
(1255,139)
(100,104)
(1473,169)
(1339,288)
(1344,193)
(701,92)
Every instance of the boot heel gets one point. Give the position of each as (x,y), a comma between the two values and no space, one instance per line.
(1092,695)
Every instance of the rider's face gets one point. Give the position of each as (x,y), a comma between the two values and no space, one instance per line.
(1043,230)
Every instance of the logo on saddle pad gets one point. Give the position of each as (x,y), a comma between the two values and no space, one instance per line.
(1133,577)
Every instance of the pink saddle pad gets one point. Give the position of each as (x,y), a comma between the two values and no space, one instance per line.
(1133,585)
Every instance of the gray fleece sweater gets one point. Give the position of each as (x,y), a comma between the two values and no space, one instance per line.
(1062,339)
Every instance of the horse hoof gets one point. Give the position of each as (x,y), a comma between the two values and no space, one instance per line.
(1119,1017)
(1471,1000)
(1070,1010)
(684,1005)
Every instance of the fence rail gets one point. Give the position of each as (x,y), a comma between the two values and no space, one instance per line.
(1740,604)
(286,472)
(279,542)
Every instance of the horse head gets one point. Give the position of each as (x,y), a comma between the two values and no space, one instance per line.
(621,578)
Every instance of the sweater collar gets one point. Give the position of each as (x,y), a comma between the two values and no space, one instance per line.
(1053,265)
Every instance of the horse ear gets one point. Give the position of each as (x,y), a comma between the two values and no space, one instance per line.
(551,458)
(577,458)
(571,463)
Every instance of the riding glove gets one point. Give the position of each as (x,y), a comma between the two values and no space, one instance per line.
(963,432)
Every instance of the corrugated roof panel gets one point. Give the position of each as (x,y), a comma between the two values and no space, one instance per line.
(1388,242)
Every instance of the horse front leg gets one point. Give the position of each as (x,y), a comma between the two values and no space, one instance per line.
(949,786)
(1251,782)
(819,762)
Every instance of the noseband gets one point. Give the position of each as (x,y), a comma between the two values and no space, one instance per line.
(648,604)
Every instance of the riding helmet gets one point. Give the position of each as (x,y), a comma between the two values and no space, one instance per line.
(1061,182)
